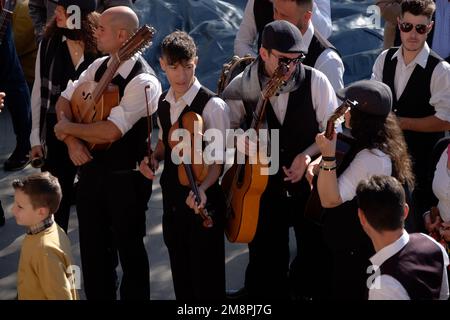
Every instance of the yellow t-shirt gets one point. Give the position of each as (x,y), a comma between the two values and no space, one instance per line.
(44,272)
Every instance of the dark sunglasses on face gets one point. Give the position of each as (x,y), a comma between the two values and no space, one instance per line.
(407,27)
(287,61)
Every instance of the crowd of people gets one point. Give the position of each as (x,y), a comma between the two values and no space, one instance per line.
(380,172)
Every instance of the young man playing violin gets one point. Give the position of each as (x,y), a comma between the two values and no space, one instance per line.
(112,197)
(196,250)
(299,110)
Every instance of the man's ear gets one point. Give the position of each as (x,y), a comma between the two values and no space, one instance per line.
(405,211)
(162,63)
(431,27)
(362,217)
(264,53)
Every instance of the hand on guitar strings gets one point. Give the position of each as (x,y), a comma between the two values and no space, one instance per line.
(297,169)
(246,146)
(192,203)
(146,165)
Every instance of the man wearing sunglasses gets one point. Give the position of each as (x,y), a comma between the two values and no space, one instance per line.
(299,110)
(420,82)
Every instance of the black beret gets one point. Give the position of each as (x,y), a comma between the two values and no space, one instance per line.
(283,36)
(373,97)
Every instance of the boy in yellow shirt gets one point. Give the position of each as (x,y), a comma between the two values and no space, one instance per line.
(45,266)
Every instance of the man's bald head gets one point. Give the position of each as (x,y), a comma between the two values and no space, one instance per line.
(122,17)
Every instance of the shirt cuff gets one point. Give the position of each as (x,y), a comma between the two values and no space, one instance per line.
(34,138)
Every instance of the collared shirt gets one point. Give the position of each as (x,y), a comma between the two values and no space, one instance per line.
(365,164)
(323,99)
(388,288)
(441,37)
(36,97)
(328,62)
(41,226)
(132,106)
(216,114)
(441,186)
(247,33)
(440,78)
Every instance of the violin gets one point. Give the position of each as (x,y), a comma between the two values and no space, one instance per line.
(190,173)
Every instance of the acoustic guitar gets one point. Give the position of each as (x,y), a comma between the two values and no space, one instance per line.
(91,101)
(243,184)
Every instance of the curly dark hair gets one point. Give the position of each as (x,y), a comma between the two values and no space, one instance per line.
(419,7)
(384,133)
(177,47)
(89,23)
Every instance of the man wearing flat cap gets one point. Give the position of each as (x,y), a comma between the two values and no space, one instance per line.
(419,80)
(299,110)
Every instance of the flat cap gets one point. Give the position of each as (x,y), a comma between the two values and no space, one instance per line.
(373,97)
(283,36)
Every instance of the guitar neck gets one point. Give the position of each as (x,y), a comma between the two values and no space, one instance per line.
(106,79)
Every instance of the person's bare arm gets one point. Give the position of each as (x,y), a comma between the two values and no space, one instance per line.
(427,124)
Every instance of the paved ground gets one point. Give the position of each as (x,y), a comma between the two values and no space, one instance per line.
(11,235)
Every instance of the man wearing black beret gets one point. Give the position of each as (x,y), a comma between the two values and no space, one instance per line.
(299,110)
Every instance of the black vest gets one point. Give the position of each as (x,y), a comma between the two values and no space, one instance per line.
(299,122)
(169,181)
(418,266)
(263,13)
(414,103)
(317,46)
(126,152)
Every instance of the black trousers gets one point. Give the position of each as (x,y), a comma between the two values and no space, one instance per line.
(111,213)
(197,254)
(58,163)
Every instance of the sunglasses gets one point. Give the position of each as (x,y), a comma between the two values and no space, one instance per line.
(407,27)
(287,61)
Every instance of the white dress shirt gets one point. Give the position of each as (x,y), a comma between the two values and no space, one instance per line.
(323,99)
(440,79)
(247,35)
(329,62)
(441,37)
(36,98)
(365,164)
(441,186)
(132,106)
(387,287)
(216,114)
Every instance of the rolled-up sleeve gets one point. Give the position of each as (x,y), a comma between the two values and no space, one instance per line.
(217,116)
(133,104)
(440,91)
